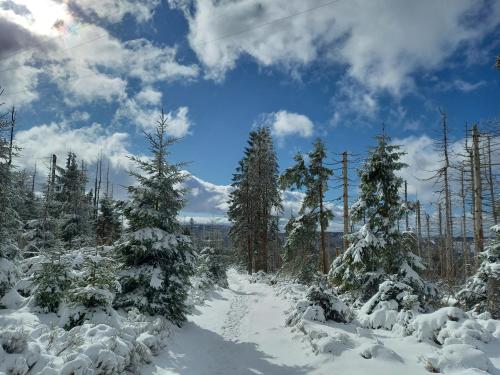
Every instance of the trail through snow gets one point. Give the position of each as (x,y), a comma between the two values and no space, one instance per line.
(241,331)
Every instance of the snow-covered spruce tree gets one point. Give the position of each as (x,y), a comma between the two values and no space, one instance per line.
(313,178)
(158,259)
(255,200)
(211,266)
(482,291)
(76,227)
(49,270)
(108,225)
(9,219)
(301,257)
(96,283)
(378,252)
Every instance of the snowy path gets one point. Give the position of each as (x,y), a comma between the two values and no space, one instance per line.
(241,331)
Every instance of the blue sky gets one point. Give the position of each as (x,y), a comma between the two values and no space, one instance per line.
(90,75)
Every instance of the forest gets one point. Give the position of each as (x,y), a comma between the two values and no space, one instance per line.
(78,260)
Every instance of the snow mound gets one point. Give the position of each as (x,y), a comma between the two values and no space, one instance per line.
(426,327)
(334,344)
(458,357)
(371,350)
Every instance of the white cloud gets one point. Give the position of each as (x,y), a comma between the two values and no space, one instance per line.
(382,43)
(143,110)
(179,122)
(83,59)
(88,142)
(461,85)
(285,123)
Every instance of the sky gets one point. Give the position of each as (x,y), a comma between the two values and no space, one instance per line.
(89,76)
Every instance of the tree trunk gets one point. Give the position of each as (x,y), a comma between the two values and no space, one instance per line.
(346,200)
(322,231)
(478,203)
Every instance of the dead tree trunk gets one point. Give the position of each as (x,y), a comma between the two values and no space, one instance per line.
(419,229)
(346,200)
(478,199)
(465,250)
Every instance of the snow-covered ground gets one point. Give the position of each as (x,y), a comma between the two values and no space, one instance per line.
(242,330)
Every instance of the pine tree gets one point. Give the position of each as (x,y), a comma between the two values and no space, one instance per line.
(378,251)
(256,199)
(158,260)
(313,178)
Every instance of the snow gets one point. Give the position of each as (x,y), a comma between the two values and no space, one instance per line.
(246,329)
(243,330)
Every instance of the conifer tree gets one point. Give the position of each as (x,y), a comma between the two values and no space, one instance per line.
(313,178)
(96,283)
(76,211)
(52,278)
(256,199)
(158,259)
(482,291)
(378,251)
(212,266)
(108,225)
(301,257)
(9,218)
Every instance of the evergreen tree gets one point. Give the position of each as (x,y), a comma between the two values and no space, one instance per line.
(212,266)
(76,225)
(301,257)
(10,224)
(378,251)
(96,283)
(256,199)
(108,225)
(52,277)
(240,214)
(313,178)
(158,260)
(482,291)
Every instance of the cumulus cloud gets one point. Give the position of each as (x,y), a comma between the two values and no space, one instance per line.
(144,108)
(283,123)
(83,59)
(382,44)
(88,142)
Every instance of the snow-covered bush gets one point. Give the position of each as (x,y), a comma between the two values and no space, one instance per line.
(51,282)
(95,283)
(482,291)
(394,303)
(261,277)
(320,305)
(456,357)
